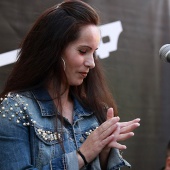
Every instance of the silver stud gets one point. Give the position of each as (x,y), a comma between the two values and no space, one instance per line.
(59,135)
(3,115)
(55,137)
(87,133)
(81,139)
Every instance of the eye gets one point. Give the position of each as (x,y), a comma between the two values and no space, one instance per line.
(82,51)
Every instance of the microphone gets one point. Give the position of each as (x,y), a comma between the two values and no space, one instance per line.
(164,53)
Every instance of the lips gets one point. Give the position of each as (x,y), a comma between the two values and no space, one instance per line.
(84,74)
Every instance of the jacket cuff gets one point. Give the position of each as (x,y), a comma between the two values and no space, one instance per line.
(71,161)
(116,160)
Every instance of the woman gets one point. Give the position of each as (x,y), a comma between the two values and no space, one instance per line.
(56,110)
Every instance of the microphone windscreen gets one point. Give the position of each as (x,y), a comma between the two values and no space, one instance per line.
(164,52)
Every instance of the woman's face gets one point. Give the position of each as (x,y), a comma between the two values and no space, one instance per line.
(78,56)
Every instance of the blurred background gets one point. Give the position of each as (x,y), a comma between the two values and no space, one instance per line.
(139,80)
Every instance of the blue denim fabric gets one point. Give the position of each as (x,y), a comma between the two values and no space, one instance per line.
(30,135)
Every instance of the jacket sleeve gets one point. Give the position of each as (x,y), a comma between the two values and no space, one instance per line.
(71,161)
(14,137)
(115,161)
(15,145)
(67,161)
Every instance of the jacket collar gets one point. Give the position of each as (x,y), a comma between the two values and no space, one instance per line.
(44,101)
(78,109)
(47,105)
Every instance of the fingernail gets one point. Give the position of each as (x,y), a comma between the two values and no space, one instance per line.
(132,134)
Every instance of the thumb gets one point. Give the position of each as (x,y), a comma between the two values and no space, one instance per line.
(110,113)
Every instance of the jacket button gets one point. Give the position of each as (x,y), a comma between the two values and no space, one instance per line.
(81,139)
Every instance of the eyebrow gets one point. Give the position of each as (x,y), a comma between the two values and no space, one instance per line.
(87,47)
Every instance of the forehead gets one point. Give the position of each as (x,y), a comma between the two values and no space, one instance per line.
(89,35)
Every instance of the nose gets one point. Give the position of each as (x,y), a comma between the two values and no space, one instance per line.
(89,62)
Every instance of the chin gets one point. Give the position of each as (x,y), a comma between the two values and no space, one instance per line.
(76,83)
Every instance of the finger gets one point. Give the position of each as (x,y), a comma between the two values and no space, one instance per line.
(117,145)
(114,142)
(110,130)
(107,140)
(122,124)
(106,129)
(117,132)
(110,113)
(123,137)
(107,124)
(129,128)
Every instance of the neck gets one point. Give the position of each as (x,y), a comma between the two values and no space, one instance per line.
(65,104)
(63,94)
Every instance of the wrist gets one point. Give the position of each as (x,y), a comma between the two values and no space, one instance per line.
(103,156)
(106,150)
(81,158)
(80,161)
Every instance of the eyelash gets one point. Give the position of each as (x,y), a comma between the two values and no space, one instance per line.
(82,52)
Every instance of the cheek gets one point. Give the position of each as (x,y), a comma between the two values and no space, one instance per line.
(70,65)
(74,62)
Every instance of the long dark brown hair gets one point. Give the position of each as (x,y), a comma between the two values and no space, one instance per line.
(39,59)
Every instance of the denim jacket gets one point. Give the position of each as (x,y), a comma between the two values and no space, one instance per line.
(29,139)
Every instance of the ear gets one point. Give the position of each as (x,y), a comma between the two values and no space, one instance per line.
(64,63)
(167,167)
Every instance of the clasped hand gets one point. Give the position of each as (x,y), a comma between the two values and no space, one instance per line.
(108,135)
